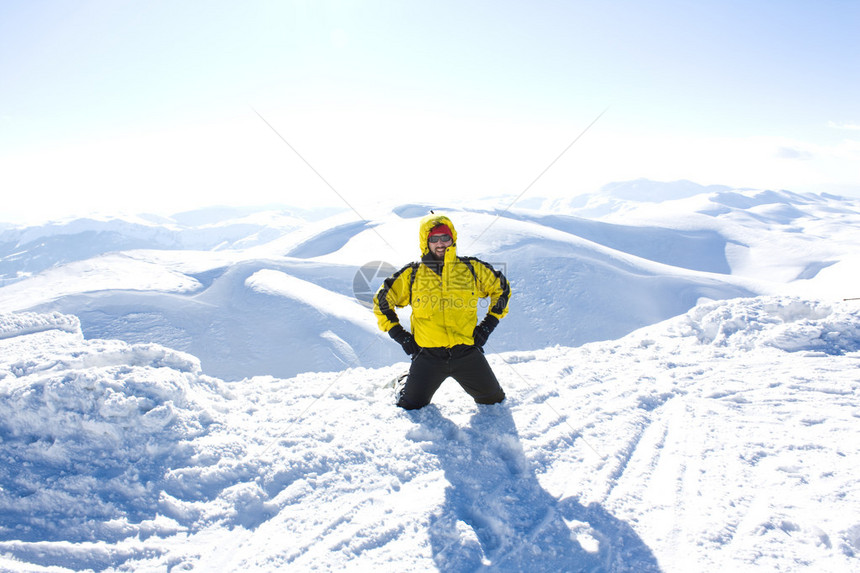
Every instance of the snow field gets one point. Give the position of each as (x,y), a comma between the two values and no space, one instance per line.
(725,438)
(727,451)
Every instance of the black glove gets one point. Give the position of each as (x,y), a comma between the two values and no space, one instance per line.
(482,331)
(404,339)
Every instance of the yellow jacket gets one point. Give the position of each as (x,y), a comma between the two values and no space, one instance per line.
(444,298)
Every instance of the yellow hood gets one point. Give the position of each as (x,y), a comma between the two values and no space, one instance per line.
(427,224)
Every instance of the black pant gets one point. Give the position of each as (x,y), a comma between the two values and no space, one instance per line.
(465,364)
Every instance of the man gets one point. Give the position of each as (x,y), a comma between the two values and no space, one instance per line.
(444,291)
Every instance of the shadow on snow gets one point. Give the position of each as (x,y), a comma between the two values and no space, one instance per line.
(497,517)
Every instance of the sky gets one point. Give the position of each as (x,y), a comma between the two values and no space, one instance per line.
(159,107)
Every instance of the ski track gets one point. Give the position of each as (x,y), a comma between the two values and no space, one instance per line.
(666,447)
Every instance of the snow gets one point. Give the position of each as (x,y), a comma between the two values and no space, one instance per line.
(277,283)
(722,438)
(716,429)
(115,271)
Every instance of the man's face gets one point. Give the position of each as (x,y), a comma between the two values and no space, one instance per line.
(438,244)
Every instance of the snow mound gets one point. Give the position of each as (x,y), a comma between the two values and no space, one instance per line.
(90,431)
(19,324)
(277,283)
(786,323)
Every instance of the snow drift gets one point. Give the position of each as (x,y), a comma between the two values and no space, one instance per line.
(91,429)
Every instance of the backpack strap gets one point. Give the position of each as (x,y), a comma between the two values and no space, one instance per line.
(468,262)
(412,279)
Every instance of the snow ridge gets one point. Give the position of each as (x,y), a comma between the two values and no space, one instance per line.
(792,325)
(20,324)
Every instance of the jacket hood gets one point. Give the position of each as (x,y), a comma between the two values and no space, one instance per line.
(427,224)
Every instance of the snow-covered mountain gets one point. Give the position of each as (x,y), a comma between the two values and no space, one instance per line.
(207,392)
(275,293)
(722,439)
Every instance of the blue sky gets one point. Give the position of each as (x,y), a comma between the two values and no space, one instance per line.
(150,106)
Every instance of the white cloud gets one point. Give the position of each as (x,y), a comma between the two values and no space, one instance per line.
(848,126)
(393,156)
(793,153)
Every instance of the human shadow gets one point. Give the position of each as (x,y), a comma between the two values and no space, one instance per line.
(496,515)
